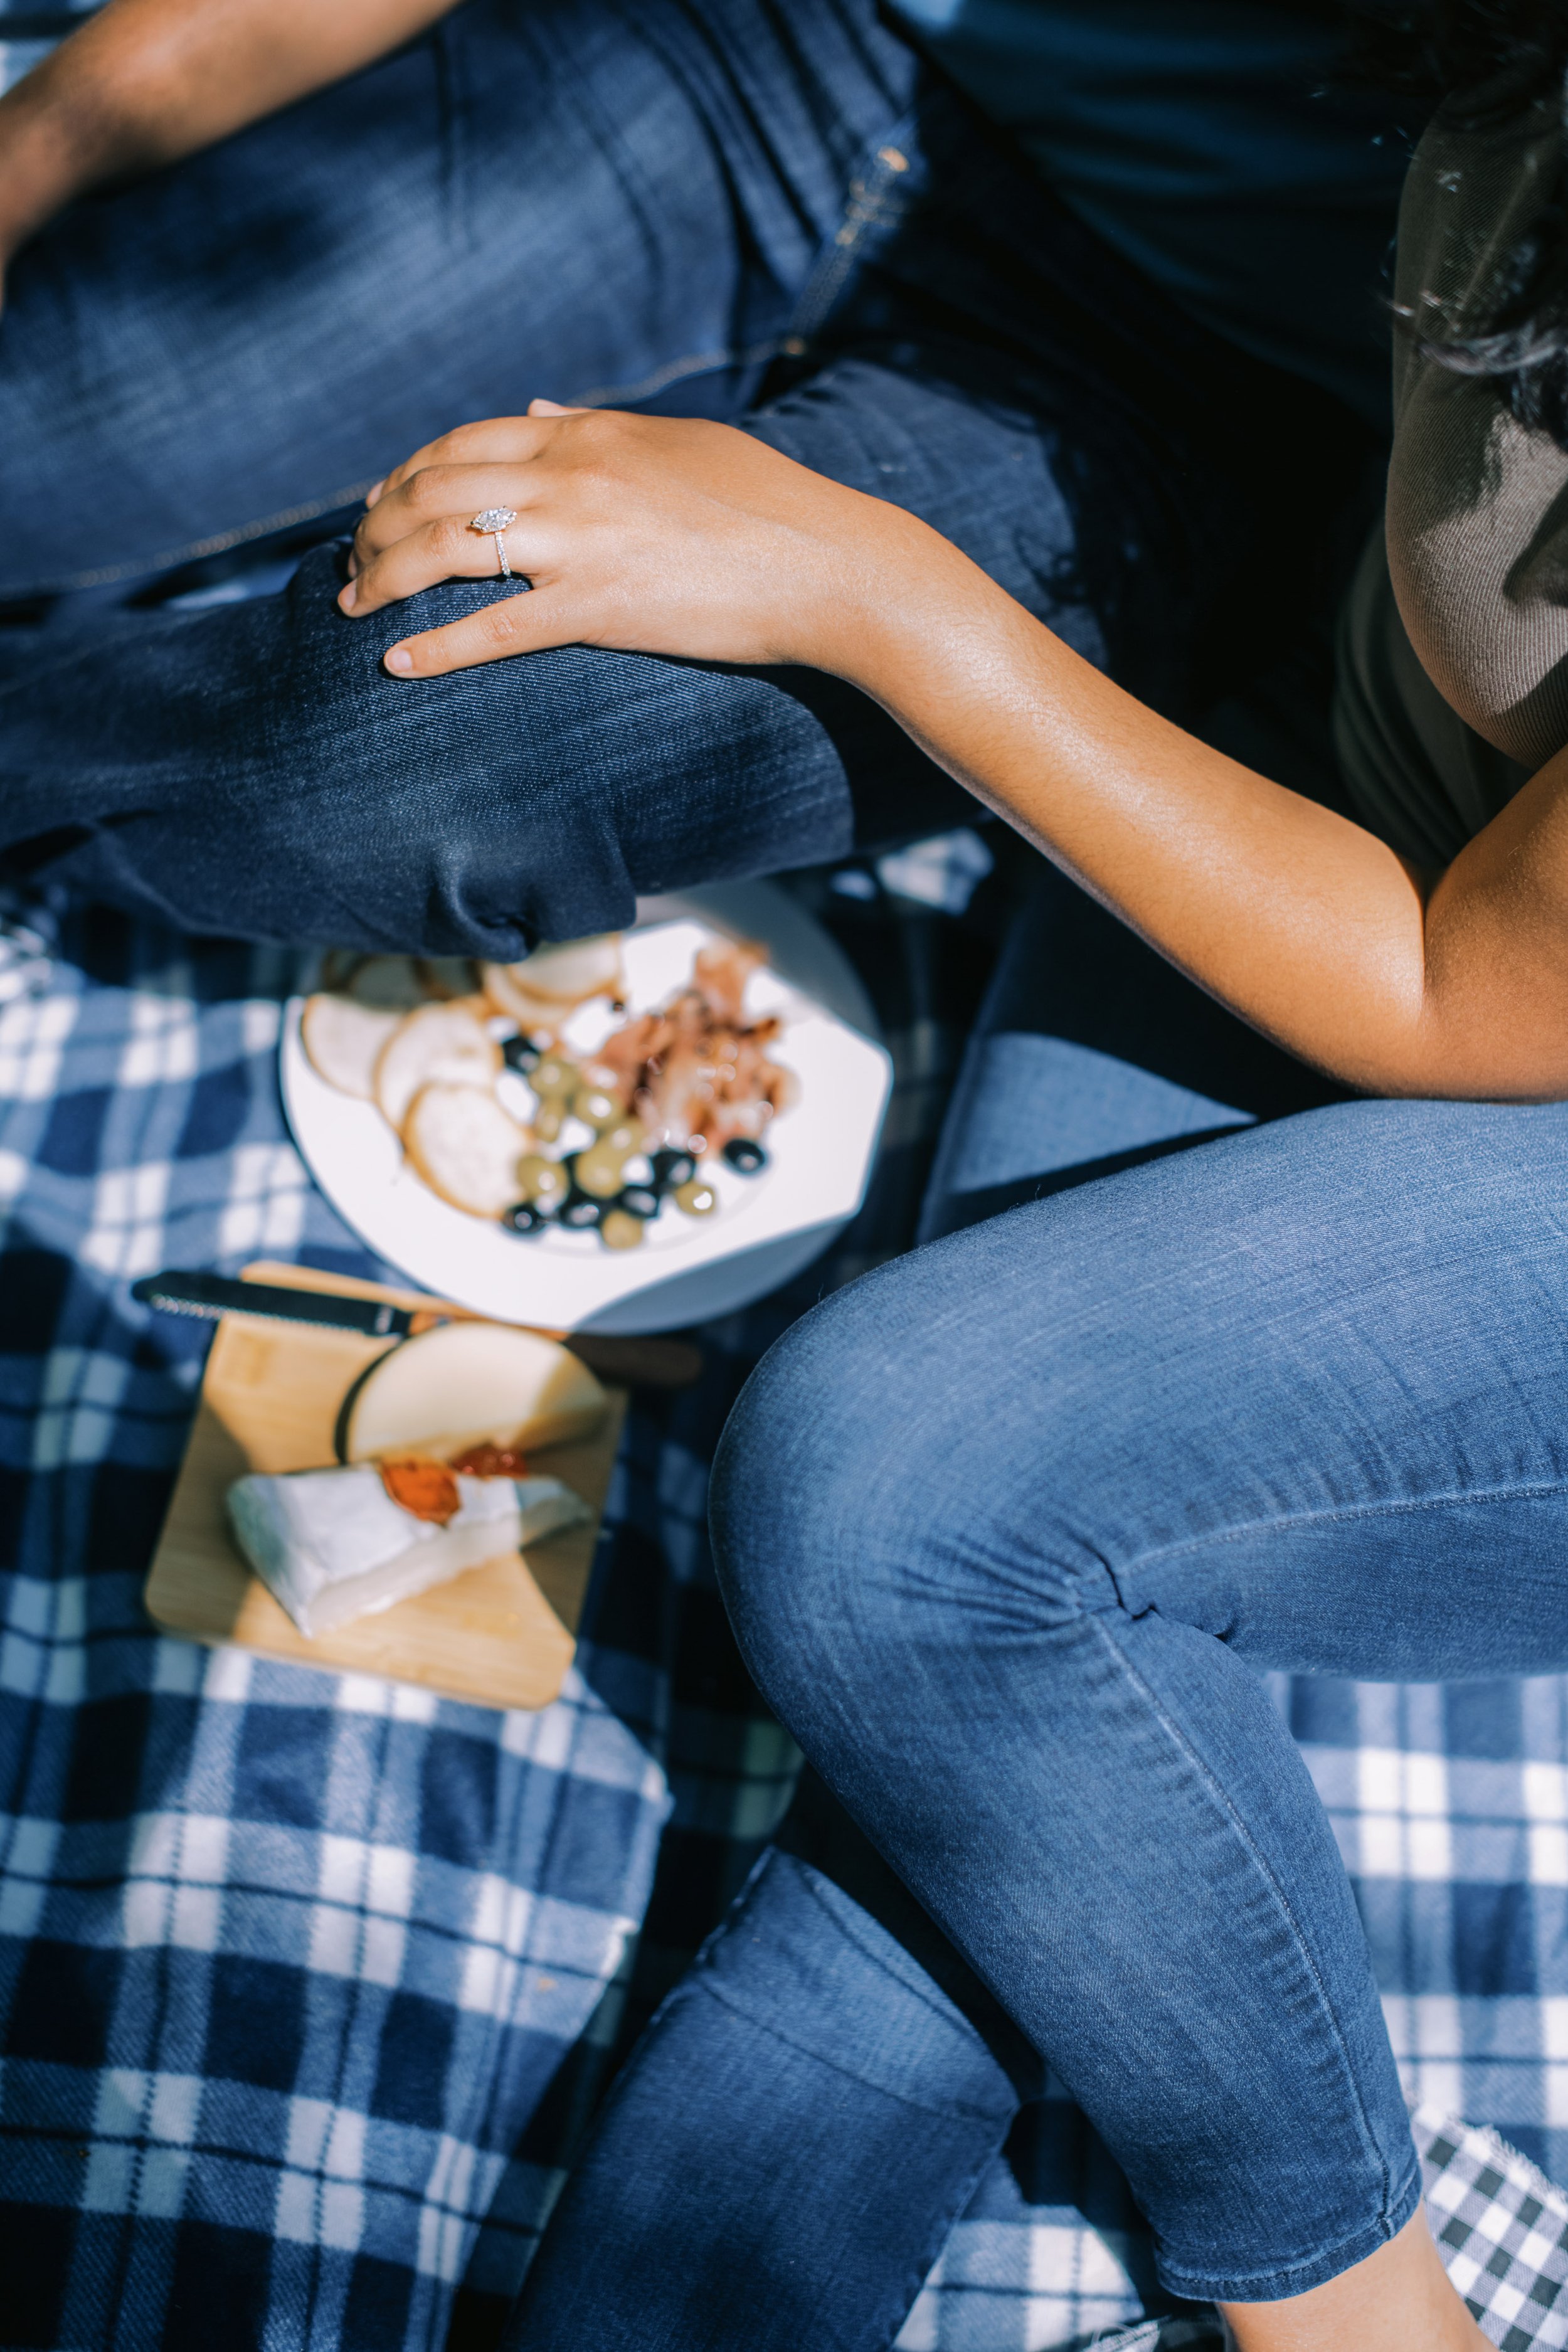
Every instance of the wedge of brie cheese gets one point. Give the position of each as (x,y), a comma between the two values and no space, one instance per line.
(332,1545)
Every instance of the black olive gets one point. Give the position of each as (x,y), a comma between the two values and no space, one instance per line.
(745,1155)
(636,1200)
(580,1213)
(523,1217)
(519,1054)
(672,1168)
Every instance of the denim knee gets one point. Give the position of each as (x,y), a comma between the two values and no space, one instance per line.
(863,1514)
(253,770)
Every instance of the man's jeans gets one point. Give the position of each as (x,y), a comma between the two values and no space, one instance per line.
(1260,1377)
(763,210)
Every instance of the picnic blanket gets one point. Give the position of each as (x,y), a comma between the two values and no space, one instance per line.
(308,1983)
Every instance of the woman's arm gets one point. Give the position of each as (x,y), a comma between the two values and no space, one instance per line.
(691,539)
(145,81)
(1304,923)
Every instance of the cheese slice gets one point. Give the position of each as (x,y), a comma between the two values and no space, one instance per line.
(332,1545)
(465,1383)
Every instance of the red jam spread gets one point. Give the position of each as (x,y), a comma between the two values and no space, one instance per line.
(428,1490)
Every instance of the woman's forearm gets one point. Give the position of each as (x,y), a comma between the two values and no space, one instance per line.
(146,81)
(1302,921)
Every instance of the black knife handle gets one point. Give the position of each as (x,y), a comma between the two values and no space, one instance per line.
(211,1295)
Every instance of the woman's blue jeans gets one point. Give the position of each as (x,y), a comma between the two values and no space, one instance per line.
(765,211)
(1009,1531)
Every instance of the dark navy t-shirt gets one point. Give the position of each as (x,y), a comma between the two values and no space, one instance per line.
(1205,140)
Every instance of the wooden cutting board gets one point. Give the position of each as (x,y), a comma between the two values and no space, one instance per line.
(501,1635)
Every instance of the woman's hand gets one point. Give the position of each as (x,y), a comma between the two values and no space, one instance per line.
(649,534)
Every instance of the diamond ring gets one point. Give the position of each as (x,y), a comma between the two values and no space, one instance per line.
(495,519)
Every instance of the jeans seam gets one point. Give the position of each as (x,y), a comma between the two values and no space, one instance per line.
(674,370)
(1238,1827)
(959,2206)
(852,1936)
(1341,1515)
(869,206)
(844,1927)
(726,2000)
(217,544)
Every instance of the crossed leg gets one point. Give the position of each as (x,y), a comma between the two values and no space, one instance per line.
(626,203)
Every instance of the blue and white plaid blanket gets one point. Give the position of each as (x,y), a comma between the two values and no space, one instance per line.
(308,1983)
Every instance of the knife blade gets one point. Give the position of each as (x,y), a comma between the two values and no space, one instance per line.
(655,1363)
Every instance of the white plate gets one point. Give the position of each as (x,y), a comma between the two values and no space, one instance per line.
(766,1227)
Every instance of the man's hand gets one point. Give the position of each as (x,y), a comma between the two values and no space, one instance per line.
(146,81)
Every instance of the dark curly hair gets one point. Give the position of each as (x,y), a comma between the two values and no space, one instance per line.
(1486,60)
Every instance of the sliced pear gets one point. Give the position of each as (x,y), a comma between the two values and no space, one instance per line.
(468,1384)
(343,1040)
(466,1147)
(543,989)
(536,1014)
(572,970)
(445,1043)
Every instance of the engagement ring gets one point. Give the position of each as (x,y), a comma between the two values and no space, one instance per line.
(495,519)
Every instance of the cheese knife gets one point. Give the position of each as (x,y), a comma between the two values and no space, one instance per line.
(654,1363)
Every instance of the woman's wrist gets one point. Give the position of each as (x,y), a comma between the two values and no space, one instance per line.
(918,623)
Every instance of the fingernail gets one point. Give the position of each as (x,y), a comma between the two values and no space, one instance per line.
(348,599)
(400,658)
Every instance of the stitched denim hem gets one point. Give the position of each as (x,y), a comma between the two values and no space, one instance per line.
(964,2109)
(1298,2278)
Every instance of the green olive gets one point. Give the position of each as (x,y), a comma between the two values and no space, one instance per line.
(548,1121)
(600,1171)
(618,1229)
(551,1077)
(624,1135)
(698,1198)
(543,1179)
(596,1108)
